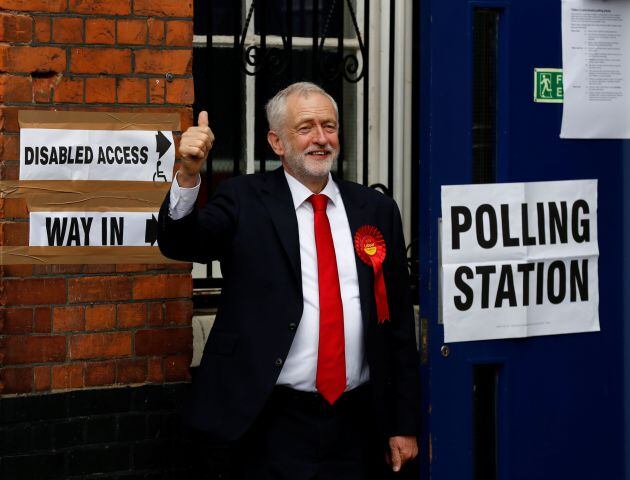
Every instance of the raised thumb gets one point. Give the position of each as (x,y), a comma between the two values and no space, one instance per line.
(396,460)
(203,119)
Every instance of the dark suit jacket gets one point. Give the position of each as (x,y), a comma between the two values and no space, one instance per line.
(250,225)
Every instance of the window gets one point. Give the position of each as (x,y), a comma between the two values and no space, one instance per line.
(246,51)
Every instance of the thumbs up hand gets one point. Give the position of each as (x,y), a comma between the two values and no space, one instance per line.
(194,146)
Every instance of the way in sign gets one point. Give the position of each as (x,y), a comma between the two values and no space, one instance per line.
(66,232)
(97,229)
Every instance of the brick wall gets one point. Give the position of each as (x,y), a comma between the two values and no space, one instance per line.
(83,326)
(115,434)
(93,358)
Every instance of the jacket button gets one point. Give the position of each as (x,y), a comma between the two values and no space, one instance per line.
(292,326)
(278,362)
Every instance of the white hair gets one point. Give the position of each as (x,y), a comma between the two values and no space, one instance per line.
(276,108)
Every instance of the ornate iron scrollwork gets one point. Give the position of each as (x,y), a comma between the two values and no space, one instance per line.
(274,58)
(333,64)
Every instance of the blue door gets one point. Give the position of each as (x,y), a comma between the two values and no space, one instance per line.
(538,408)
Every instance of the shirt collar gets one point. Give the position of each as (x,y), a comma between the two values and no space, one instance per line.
(301,193)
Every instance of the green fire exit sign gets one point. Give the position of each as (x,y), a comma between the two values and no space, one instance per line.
(548,85)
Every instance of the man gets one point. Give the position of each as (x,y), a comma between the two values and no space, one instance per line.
(312,357)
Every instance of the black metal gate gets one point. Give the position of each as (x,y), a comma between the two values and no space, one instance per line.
(245,51)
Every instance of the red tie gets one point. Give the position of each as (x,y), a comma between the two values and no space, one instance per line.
(331,357)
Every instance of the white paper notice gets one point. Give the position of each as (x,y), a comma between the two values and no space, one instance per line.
(519,260)
(92,229)
(131,155)
(596,64)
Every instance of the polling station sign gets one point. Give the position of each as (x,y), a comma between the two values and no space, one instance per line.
(93,229)
(519,260)
(64,154)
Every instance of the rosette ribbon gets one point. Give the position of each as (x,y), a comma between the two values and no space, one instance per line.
(370,247)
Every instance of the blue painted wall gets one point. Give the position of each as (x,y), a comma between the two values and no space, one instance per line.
(626,296)
(563,399)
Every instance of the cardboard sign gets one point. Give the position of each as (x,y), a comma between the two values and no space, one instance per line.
(96,229)
(519,260)
(92,183)
(61,154)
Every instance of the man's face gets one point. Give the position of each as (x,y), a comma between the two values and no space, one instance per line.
(310,136)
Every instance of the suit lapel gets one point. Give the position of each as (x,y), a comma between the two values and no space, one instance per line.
(357,217)
(276,197)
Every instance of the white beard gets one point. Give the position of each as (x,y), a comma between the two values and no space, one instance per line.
(306,166)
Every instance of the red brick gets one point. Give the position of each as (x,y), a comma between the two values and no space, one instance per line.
(67,376)
(34,291)
(131,315)
(179,313)
(179,33)
(15,28)
(13,233)
(100,90)
(156,90)
(131,371)
(100,317)
(177,62)
(67,30)
(8,123)
(132,90)
(68,319)
(43,29)
(10,171)
(35,5)
(17,320)
(99,289)
(163,341)
(100,345)
(100,373)
(162,286)
(100,30)
(42,321)
(17,270)
(107,7)
(180,91)
(130,267)
(100,60)
(34,349)
(155,370)
(43,378)
(10,146)
(155,314)
(15,208)
(32,59)
(132,32)
(99,268)
(177,368)
(156,31)
(43,88)
(16,380)
(69,90)
(15,89)
(163,8)
(56,269)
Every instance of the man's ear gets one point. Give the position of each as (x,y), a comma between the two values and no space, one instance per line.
(275,143)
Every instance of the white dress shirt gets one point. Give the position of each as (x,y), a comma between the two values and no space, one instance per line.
(300,367)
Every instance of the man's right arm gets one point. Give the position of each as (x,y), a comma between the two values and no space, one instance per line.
(182,199)
(184,233)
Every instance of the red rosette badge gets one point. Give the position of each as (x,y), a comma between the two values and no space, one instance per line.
(370,247)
